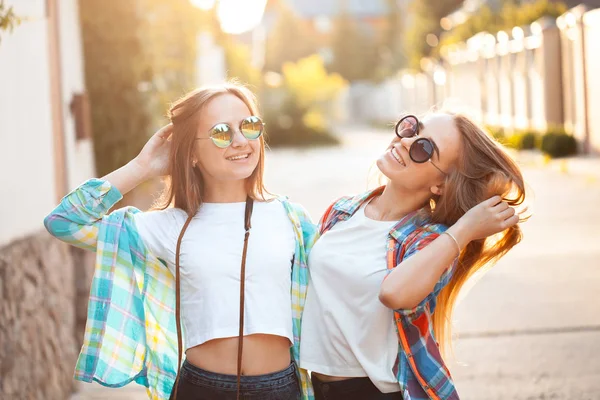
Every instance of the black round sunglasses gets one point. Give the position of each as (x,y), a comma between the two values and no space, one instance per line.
(421,150)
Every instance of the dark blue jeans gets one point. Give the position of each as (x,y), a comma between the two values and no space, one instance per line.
(198,384)
(350,389)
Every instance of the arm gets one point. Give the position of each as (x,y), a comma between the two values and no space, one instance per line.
(75,220)
(427,265)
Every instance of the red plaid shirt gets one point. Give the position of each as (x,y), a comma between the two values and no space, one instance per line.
(420,369)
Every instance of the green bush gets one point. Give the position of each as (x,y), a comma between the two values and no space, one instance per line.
(558,144)
(554,142)
(286,127)
(528,141)
(299,112)
(496,132)
(522,140)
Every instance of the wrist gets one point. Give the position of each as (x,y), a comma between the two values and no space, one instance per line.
(461,233)
(138,170)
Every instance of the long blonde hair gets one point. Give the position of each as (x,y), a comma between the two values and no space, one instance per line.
(184,184)
(484,169)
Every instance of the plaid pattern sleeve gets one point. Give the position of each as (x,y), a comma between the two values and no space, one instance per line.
(130,331)
(420,239)
(420,368)
(305,231)
(76,219)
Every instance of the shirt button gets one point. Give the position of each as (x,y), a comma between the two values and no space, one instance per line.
(426,387)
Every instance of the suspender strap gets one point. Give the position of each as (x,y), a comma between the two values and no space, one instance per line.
(178,305)
(247,226)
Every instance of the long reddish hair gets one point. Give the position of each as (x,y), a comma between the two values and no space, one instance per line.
(184,185)
(483,170)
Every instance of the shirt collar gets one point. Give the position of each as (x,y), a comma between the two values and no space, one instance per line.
(398,232)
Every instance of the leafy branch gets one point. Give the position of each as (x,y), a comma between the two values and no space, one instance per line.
(8,19)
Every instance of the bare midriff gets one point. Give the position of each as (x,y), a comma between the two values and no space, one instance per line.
(262,354)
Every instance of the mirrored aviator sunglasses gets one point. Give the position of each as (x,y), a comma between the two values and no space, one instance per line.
(222,134)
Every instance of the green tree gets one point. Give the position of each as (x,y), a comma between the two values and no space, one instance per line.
(283,44)
(426,20)
(511,14)
(116,67)
(169,37)
(239,64)
(8,19)
(355,51)
(139,57)
(393,46)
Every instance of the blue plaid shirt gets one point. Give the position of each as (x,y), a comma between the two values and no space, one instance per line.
(131,334)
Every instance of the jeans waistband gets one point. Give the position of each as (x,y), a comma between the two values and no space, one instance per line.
(208,378)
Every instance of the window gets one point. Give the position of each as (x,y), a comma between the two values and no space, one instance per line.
(80,110)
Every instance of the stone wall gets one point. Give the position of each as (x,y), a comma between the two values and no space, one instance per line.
(43,300)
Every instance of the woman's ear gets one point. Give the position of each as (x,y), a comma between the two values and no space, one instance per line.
(438,189)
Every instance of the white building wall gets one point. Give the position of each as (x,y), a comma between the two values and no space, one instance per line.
(27,165)
(80,158)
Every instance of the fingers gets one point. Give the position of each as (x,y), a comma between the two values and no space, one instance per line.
(510,222)
(505,214)
(165,131)
(502,206)
(493,201)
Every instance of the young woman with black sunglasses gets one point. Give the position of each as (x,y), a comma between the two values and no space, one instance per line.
(210,272)
(387,265)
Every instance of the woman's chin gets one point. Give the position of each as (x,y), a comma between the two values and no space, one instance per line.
(241,172)
(389,168)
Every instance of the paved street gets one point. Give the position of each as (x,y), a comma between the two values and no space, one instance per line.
(530,328)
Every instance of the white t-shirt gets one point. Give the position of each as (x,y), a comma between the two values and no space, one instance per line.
(346,331)
(210,261)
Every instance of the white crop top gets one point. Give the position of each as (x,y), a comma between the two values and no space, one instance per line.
(346,331)
(210,260)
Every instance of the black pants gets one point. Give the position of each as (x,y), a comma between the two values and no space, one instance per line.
(350,389)
(198,384)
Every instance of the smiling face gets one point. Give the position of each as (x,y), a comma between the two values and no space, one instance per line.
(235,162)
(397,165)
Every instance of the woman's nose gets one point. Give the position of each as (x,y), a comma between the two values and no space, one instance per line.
(407,142)
(238,140)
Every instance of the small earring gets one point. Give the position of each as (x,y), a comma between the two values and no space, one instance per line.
(194,163)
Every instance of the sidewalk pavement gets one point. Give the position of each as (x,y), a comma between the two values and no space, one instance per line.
(583,165)
(94,391)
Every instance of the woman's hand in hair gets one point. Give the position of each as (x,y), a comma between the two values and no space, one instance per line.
(485,219)
(153,160)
